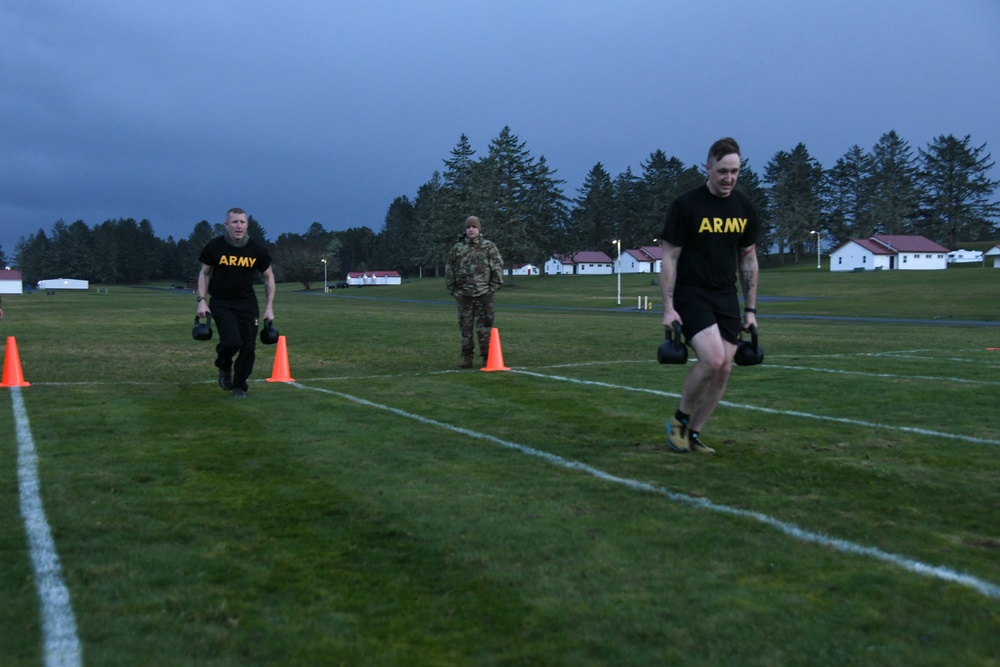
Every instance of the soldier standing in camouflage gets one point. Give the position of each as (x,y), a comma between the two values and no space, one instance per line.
(474,272)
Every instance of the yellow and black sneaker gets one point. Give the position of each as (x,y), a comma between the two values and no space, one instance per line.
(697,446)
(677,436)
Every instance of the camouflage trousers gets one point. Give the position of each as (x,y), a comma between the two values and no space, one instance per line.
(475,319)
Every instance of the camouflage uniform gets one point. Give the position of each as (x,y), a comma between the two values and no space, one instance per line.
(473,273)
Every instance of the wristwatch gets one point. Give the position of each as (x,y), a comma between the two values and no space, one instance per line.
(200,298)
(750,310)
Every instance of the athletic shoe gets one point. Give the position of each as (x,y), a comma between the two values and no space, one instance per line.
(698,447)
(225,379)
(239,393)
(677,436)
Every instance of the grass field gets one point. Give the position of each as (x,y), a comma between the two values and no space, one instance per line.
(387,509)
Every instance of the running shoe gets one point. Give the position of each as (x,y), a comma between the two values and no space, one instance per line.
(677,436)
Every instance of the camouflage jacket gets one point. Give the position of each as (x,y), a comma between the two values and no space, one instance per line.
(474,268)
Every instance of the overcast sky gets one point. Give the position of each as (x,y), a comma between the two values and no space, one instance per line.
(329,109)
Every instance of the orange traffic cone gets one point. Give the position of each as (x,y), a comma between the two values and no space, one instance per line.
(12,375)
(494,362)
(280,373)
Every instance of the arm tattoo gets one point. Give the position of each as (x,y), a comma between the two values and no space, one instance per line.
(747,281)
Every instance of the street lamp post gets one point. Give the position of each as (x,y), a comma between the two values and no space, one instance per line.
(816,232)
(618,242)
(326,287)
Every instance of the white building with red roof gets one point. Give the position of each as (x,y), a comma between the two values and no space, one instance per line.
(889,252)
(364,278)
(584,263)
(10,281)
(646,259)
(994,252)
(522,270)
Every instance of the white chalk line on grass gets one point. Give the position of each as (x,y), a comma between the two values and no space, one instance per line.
(773,411)
(59,638)
(935,571)
(893,376)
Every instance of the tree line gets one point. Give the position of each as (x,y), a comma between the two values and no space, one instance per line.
(942,192)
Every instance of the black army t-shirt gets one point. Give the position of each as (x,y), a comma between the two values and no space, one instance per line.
(711,230)
(233,268)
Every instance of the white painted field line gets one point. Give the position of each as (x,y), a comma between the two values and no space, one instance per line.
(59,639)
(957,360)
(894,376)
(935,571)
(773,411)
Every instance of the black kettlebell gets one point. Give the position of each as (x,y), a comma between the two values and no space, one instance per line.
(202,330)
(749,352)
(268,335)
(672,350)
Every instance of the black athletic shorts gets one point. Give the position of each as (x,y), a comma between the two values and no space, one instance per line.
(701,308)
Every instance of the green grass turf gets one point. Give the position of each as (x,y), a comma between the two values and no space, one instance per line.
(378,512)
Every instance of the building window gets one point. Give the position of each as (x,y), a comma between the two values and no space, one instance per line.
(904,259)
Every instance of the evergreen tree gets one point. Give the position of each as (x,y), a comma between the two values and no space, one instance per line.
(549,214)
(32,256)
(255,230)
(957,191)
(663,179)
(627,210)
(57,246)
(170,258)
(895,194)
(749,183)
(357,249)
(76,251)
(148,249)
(190,249)
(433,236)
(462,192)
(393,247)
(134,247)
(795,198)
(504,175)
(850,194)
(592,221)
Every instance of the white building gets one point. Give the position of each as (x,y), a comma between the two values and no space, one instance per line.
(593,263)
(585,263)
(63,283)
(994,252)
(365,278)
(646,259)
(965,256)
(559,265)
(522,270)
(884,252)
(10,281)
